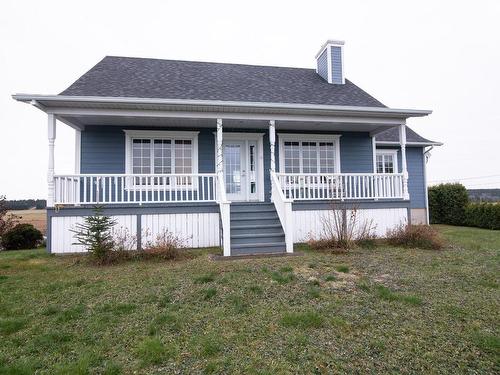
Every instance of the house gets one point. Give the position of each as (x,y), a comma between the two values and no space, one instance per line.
(245,157)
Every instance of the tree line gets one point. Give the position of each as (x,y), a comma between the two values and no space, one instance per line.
(26,204)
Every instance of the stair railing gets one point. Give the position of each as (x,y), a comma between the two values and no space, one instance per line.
(283,207)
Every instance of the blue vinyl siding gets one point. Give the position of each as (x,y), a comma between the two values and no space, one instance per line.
(336,65)
(356,155)
(322,64)
(416,180)
(103,149)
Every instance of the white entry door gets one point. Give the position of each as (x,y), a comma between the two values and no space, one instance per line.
(240,163)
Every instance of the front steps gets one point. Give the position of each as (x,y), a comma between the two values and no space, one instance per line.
(256,229)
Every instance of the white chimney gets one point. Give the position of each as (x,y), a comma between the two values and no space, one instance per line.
(330,62)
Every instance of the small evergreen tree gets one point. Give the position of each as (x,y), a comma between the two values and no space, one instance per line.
(95,234)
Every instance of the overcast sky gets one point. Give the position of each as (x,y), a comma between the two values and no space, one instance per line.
(439,55)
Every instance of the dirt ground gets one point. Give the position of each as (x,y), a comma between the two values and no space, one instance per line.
(36,217)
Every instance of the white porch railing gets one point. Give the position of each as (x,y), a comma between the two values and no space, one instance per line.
(309,186)
(137,188)
(283,207)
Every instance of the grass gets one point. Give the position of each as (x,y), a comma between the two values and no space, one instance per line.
(309,319)
(343,269)
(388,295)
(382,310)
(152,351)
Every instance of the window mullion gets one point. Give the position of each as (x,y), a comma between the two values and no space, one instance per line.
(301,163)
(151,156)
(318,162)
(172,143)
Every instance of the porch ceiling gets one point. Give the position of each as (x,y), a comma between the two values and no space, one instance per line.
(131,121)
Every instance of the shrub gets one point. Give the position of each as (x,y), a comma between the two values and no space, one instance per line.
(22,236)
(415,236)
(483,215)
(95,235)
(165,246)
(447,204)
(7,220)
(342,229)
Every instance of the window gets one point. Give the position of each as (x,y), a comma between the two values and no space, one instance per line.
(386,161)
(161,152)
(157,156)
(309,156)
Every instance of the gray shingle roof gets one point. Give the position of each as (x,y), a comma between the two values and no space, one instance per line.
(174,79)
(392,135)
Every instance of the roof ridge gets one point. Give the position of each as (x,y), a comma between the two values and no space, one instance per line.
(207,62)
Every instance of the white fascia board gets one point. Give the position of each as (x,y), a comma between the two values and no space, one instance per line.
(348,110)
(396,143)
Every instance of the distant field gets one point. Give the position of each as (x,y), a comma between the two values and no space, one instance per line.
(36,217)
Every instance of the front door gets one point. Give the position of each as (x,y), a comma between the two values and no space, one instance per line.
(240,170)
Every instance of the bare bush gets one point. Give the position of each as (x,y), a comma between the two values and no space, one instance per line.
(123,240)
(415,236)
(7,220)
(166,245)
(343,228)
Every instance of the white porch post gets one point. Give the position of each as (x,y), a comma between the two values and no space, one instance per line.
(402,142)
(224,204)
(50,171)
(272,141)
(219,148)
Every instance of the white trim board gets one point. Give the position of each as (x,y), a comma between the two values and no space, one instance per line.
(420,144)
(78,151)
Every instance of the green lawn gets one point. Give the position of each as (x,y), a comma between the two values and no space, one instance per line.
(384,310)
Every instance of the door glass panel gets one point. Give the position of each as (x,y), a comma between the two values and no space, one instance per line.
(253,186)
(232,168)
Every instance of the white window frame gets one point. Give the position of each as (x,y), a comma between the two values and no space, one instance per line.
(289,137)
(386,151)
(130,135)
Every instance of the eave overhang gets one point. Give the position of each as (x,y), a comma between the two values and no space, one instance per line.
(76,111)
(54,102)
